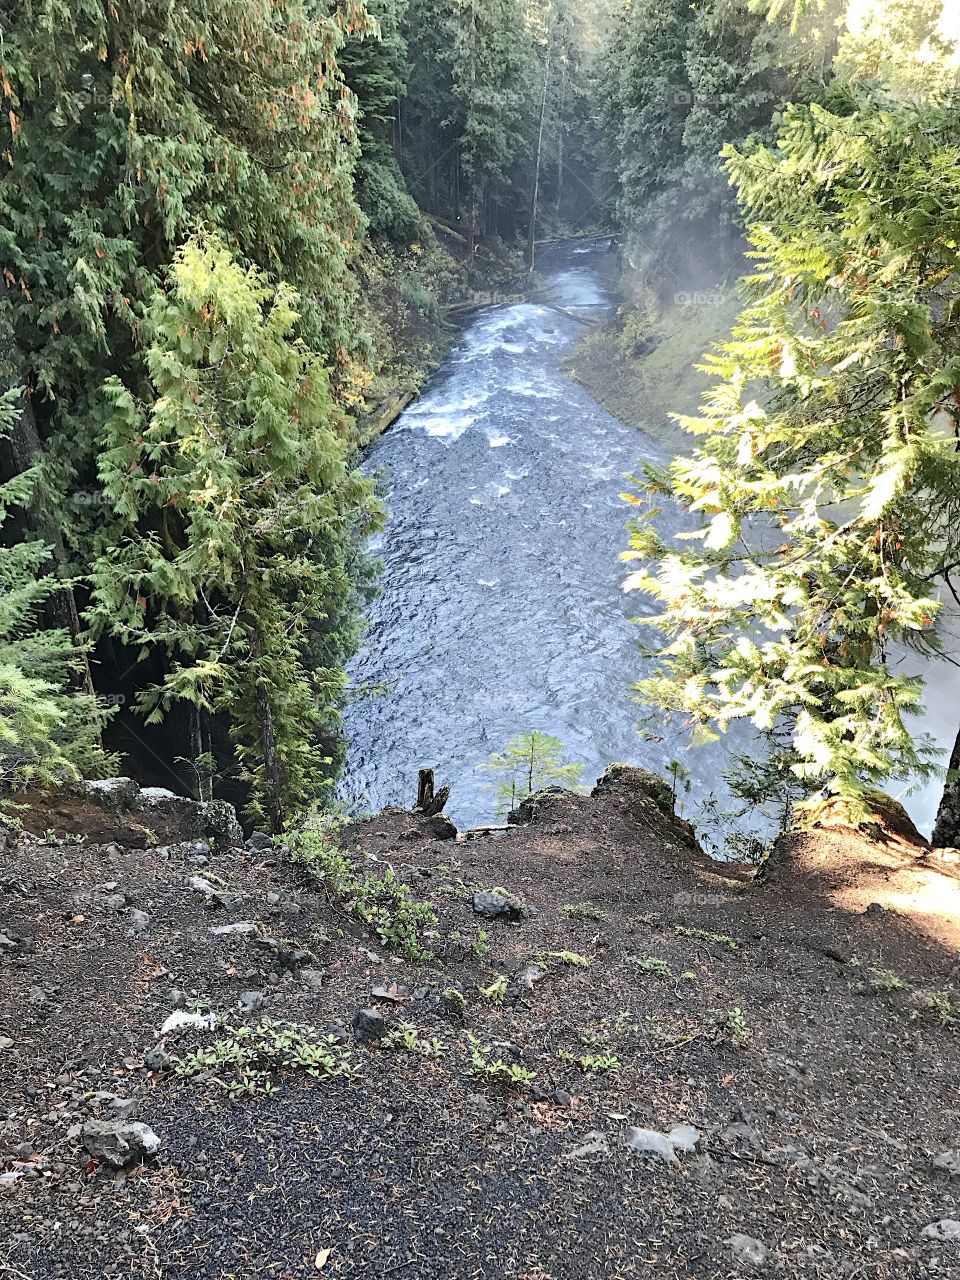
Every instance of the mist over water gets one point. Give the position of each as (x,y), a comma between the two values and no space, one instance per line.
(500,607)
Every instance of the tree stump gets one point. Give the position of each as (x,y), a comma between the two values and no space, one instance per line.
(430,802)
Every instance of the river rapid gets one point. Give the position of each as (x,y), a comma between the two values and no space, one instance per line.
(500,607)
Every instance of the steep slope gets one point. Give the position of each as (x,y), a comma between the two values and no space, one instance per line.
(626,987)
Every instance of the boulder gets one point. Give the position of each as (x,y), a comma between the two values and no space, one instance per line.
(115,794)
(642,782)
(218,819)
(533,808)
(440,827)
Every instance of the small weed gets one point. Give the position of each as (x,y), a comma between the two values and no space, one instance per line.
(651,964)
(626,1024)
(592,1063)
(720,938)
(583,911)
(51,837)
(485,1067)
(735,1026)
(382,902)
(496,990)
(455,1002)
(689,976)
(256,1053)
(884,980)
(571,958)
(480,946)
(405,1036)
(942,1005)
(595,1064)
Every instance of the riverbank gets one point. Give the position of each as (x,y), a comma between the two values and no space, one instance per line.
(618,1059)
(641,364)
(407,297)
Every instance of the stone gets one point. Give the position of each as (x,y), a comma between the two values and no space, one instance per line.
(741,1134)
(947,1229)
(684,1137)
(259,840)
(161,795)
(241,927)
(948,1162)
(747,1249)
(251,1001)
(122,1108)
(440,827)
(313,979)
(594,1143)
(650,1142)
(527,977)
(119,1143)
(493,905)
(157,1059)
(5,1044)
(395,993)
(115,901)
(7,943)
(212,895)
(181,1019)
(369,1026)
(562,1098)
(854,1197)
(139,921)
(218,819)
(641,782)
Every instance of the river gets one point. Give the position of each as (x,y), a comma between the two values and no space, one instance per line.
(500,607)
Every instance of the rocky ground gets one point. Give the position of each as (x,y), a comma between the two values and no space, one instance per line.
(613,1057)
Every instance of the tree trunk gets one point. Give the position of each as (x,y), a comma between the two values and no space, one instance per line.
(272,773)
(428,801)
(200,746)
(946,832)
(532,233)
(560,132)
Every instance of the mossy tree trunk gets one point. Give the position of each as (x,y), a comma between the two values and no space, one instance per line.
(946,832)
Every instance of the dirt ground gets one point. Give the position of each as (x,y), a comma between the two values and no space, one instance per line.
(803,1025)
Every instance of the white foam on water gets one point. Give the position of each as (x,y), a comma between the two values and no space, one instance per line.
(496,442)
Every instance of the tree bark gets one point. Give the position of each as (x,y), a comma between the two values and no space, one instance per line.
(946,832)
(560,132)
(272,773)
(428,801)
(532,233)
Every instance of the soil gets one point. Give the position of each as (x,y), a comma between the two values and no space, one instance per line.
(785,1020)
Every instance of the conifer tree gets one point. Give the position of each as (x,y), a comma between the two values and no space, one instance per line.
(826,487)
(49,725)
(530,760)
(236,510)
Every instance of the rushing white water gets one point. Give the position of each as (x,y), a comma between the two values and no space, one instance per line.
(501,607)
